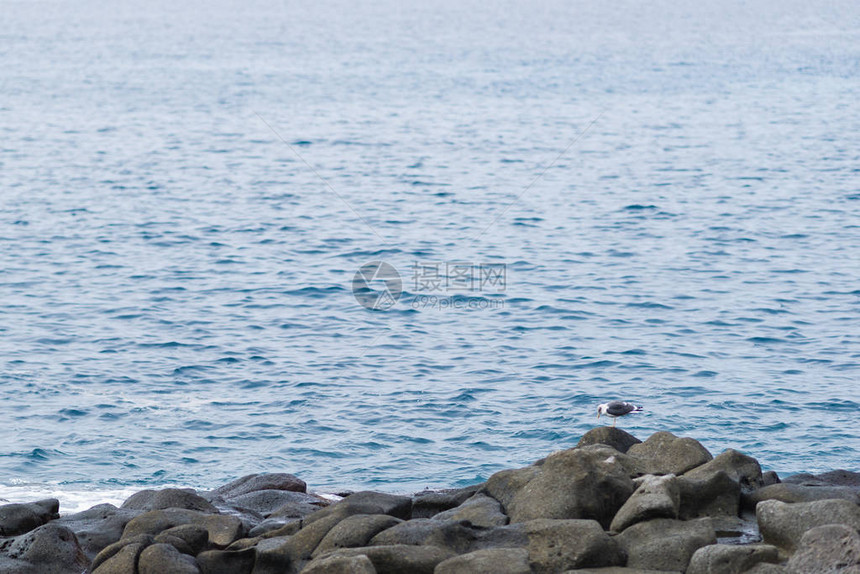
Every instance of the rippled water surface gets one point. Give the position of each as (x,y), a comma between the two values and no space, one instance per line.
(188,189)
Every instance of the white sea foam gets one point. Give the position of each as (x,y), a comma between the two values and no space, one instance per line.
(72,498)
(76,498)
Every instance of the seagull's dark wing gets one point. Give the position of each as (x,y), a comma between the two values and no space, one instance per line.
(619,408)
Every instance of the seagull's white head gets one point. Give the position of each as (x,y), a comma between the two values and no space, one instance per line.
(601,409)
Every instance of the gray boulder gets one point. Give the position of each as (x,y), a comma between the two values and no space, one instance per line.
(665,544)
(717,494)
(428,503)
(168,498)
(398,559)
(283,503)
(769,477)
(108,553)
(341,565)
(366,502)
(791,492)
(832,478)
(222,529)
(834,548)
(743,469)
(124,561)
(51,549)
(272,527)
(480,510)
(98,527)
(195,536)
(783,525)
(655,497)
(730,559)
(509,536)
(449,534)
(488,561)
(505,485)
(275,555)
(619,570)
(226,561)
(767,568)
(558,545)
(665,453)
(163,558)
(582,483)
(609,436)
(255,482)
(176,542)
(355,531)
(17,519)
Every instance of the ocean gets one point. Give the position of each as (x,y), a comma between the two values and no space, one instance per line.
(397,245)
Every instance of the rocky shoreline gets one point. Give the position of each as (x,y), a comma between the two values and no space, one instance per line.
(613,505)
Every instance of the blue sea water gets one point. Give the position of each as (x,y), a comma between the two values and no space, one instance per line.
(188,188)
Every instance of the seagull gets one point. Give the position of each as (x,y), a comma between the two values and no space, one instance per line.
(617,409)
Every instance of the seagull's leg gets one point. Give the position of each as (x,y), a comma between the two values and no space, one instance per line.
(613,421)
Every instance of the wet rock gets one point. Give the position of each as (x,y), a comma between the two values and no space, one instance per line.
(98,527)
(730,559)
(832,478)
(834,548)
(767,568)
(226,561)
(791,492)
(450,534)
(283,503)
(665,544)
(163,558)
(783,525)
(609,436)
(355,531)
(366,502)
(341,565)
(51,548)
(431,502)
(168,498)
(558,545)
(619,570)
(177,543)
(655,497)
(124,561)
(581,483)
(271,525)
(10,566)
(488,561)
(716,495)
(665,453)
(275,555)
(399,559)
(222,529)
(769,477)
(255,482)
(736,529)
(743,469)
(17,519)
(139,542)
(480,510)
(194,535)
